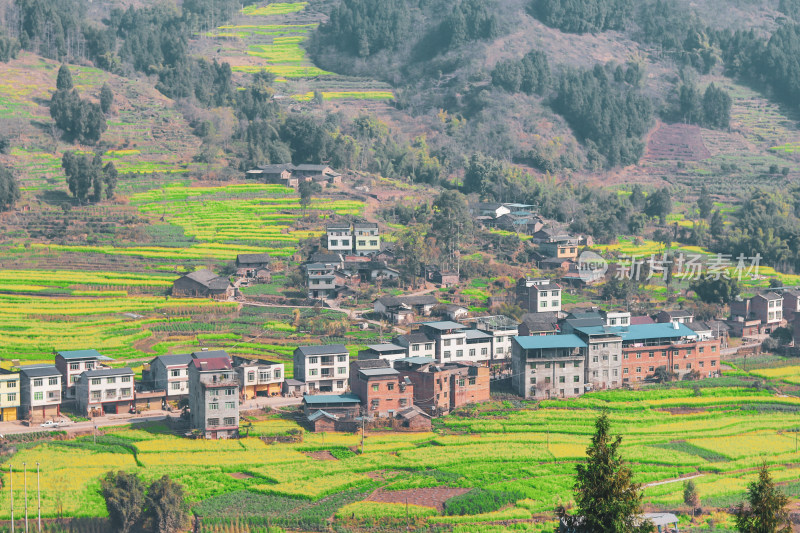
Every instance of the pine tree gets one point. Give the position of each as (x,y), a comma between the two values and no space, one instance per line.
(766,511)
(124,496)
(704,203)
(690,496)
(608,501)
(106,98)
(64,80)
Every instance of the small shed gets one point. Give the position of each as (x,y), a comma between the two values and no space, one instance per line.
(414,419)
(294,387)
(322,421)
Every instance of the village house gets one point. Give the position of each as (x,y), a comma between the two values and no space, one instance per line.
(449,340)
(454,311)
(673,346)
(213,398)
(539,324)
(321,280)
(403,309)
(370,270)
(791,303)
(329,259)
(322,174)
(203,284)
(324,412)
(502,329)
(539,295)
(478,346)
(382,389)
(323,368)
(105,391)
(168,373)
(701,329)
(294,387)
(680,316)
(766,308)
(440,388)
(416,344)
(40,392)
(386,352)
(603,359)
(258,377)
(72,363)
(548,366)
(367,238)
(414,418)
(340,237)
(435,274)
(280,174)
(9,395)
(254,267)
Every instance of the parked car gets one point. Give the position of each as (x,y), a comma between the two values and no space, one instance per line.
(50,424)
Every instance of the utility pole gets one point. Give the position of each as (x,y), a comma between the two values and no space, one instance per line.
(11,479)
(408,527)
(39,497)
(25,473)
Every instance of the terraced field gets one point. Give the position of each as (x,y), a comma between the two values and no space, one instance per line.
(531,453)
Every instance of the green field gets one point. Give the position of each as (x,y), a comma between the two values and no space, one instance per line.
(531,452)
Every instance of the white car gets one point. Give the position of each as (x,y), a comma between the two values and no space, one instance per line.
(50,424)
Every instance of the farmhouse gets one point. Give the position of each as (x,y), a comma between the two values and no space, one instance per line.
(539,295)
(438,389)
(213,398)
(323,368)
(502,329)
(677,315)
(382,389)
(367,238)
(766,308)
(402,309)
(385,352)
(340,237)
(105,391)
(72,363)
(258,377)
(539,324)
(40,392)
(280,174)
(203,284)
(548,366)
(253,266)
(169,373)
(338,405)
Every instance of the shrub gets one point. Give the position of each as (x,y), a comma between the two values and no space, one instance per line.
(479,501)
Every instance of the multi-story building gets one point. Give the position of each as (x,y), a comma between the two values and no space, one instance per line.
(386,352)
(502,329)
(479,346)
(213,398)
(562,247)
(105,391)
(539,295)
(260,378)
(382,389)
(548,366)
(73,363)
(603,359)
(40,392)
(449,340)
(323,368)
(321,280)
(681,316)
(169,373)
(416,344)
(340,238)
(673,345)
(367,238)
(767,308)
(9,395)
(616,318)
(440,388)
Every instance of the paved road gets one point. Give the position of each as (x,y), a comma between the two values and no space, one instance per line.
(10,428)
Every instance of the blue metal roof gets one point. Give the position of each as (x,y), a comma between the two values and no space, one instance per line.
(83,354)
(543,342)
(312,399)
(642,332)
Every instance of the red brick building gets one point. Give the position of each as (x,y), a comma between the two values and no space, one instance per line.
(438,389)
(382,389)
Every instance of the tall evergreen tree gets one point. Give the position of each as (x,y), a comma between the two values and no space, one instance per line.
(9,189)
(608,501)
(64,79)
(704,203)
(766,510)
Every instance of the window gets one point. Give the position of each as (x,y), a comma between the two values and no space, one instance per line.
(362,243)
(461,382)
(341,358)
(415,347)
(675,353)
(125,379)
(213,406)
(429,346)
(341,370)
(447,354)
(533,367)
(229,421)
(53,381)
(38,382)
(459,353)
(713,349)
(576,391)
(713,363)
(675,366)
(614,357)
(594,359)
(485,351)
(175,373)
(543,304)
(375,387)
(390,386)
(89,366)
(555,303)
(533,380)
(375,403)
(688,365)
(175,386)
(213,422)
(562,365)
(125,392)
(547,379)
(95,395)
(625,356)
(701,349)
(213,392)
(373,243)
(340,384)
(312,372)
(576,379)
(544,294)
(111,380)
(651,354)
(638,355)
(230,405)
(264,376)
(577,364)
(615,372)
(38,396)
(111,393)
(663,353)
(562,379)
(651,368)
(334,242)
(447,342)
(702,364)
(74,366)
(96,381)
(230,392)
(624,370)
(313,360)
(403,402)
(547,365)
(251,376)
(74,379)
(472,381)
(472,352)
(277,373)
(638,370)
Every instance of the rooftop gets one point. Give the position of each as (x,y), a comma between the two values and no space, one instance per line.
(253,258)
(496,322)
(643,332)
(416,360)
(84,354)
(678,313)
(385,348)
(444,325)
(208,279)
(39,371)
(178,359)
(108,372)
(323,349)
(543,342)
(473,334)
(415,338)
(395,301)
(327,399)
(377,372)
(212,364)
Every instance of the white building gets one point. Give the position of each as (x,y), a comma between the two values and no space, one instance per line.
(502,329)
(105,391)
(323,368)
(340,238)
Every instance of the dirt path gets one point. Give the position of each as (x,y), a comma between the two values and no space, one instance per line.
(428,497)
(677,480)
